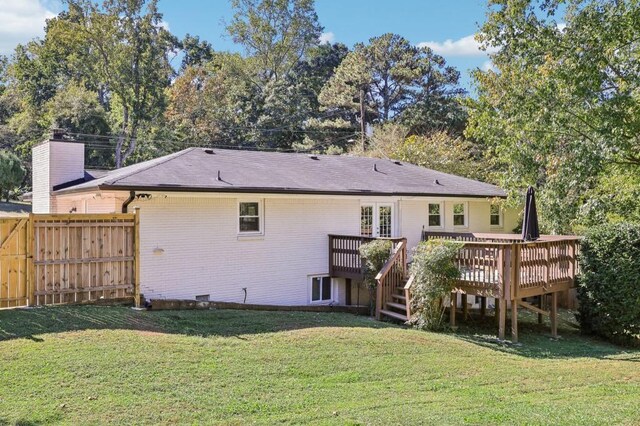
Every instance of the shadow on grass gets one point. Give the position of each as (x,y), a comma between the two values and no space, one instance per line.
(535,340)
(31,323)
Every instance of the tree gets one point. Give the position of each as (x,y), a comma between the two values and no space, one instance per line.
(390,76)
(196,52)
(78,111)
(563,105)
(12,173)
(214,104)
(129,53)
(276,34)
(437,150)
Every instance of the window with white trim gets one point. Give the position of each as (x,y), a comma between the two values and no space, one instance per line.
(435,215)
(321,289)
(460,214)
(249,217)
(366,220)
(495,216)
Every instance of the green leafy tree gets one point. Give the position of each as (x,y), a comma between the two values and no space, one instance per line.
(214,104)
(196,52)
(276,34)
(12,173)
(437,150)
(129,56)
(390,76)
(563,105)
(78,110)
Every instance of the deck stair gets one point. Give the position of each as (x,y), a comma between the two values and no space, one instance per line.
(396,309)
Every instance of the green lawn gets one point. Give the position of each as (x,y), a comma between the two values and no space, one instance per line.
(113,364)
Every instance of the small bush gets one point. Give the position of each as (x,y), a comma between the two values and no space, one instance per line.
(609,287)
(374,255)
(435,273)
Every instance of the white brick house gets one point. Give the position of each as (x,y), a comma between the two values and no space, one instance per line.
(253,226)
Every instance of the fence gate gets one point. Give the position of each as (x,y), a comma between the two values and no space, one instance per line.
(14,253)
(71,258)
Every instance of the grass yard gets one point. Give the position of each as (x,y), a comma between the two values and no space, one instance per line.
(92,364)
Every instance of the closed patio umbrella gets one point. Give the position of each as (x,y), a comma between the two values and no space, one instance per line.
(530,230)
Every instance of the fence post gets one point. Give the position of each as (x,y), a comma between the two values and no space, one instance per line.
(31,250)
(136,256)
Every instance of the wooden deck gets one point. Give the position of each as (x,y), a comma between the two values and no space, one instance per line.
(344,257)
(499,266)
(504,267)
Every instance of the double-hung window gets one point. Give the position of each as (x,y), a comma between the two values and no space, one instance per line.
(435,215)
(460,214)
(250,217)
(495,216)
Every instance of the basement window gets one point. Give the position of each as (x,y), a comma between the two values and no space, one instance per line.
(321,291)
(250,217)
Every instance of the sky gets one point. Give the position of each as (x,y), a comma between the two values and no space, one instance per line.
(447,26)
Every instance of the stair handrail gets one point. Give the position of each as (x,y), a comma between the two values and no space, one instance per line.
(407,295)
(399,253)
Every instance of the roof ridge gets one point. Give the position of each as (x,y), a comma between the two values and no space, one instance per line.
(150,166)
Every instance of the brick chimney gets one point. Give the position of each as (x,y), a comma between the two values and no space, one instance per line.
(54,162)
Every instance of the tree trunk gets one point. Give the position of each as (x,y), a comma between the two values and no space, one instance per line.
(121,137)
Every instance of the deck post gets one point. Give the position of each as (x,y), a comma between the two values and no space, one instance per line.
(465,307)
(502,317)
(514,321)
(554,314)
(541,306)
(347,291)
(483,306)
(453,301)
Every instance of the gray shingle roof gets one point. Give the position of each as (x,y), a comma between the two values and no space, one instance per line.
(197,169)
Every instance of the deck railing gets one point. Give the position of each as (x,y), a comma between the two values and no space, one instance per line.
(500,265)
(344,254)
(392,277)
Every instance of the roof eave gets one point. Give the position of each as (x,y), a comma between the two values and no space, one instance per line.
(297,191)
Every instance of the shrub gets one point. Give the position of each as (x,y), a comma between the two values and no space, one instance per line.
(374,255)
(11,173)
(435,272)
(609,286)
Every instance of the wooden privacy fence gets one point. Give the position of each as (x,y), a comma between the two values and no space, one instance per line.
(71,258)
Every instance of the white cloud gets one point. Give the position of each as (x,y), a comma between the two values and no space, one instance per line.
(465,46)
(164,24)
(22,20)
(326,38)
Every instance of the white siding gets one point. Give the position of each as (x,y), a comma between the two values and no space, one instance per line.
(414,218)
(190,246)
(54,163)
(40,178)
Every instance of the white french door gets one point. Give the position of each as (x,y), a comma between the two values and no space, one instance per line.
(376,220)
